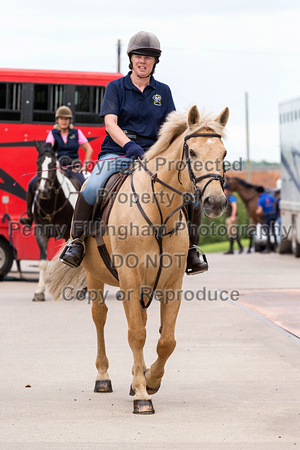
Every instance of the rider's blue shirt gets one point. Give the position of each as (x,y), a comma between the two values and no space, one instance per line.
(231,199)
(139,112)
(267,203)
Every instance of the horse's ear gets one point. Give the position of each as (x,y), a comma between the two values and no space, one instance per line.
(37,145)
(193,116)
(55,146)
(223,117)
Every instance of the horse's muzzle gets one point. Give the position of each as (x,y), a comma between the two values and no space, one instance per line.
(213,206)
(44,194)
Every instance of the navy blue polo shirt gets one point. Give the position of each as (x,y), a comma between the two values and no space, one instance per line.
(139,112)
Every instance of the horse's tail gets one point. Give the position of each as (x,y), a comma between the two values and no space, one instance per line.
(61,280)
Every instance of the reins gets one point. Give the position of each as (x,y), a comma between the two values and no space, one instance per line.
(188,197)
(62,167)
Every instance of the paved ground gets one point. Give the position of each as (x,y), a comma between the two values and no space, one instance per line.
(233,381)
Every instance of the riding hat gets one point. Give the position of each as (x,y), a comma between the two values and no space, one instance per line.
(144,43)
(63,111)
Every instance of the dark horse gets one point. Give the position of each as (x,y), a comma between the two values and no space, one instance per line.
(53,206)
(249,194)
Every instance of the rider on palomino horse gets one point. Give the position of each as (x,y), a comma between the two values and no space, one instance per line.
(68,141)
(134,108)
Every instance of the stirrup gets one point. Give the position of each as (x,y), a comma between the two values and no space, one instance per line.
(67,248)
(190,272)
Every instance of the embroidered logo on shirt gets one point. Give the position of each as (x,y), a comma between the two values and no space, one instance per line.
(72,136)
(157,99)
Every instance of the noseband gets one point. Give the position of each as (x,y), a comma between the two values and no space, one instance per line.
(52,188)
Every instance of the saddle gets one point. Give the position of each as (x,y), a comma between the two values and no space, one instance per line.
(101,213)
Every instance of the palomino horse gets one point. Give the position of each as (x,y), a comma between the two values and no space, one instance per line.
(53,206)
(249,195)
(174,166)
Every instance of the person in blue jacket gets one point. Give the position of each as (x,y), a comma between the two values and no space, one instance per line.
(134,108)
(266,208)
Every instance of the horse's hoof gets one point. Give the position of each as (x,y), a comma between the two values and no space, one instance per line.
(103,386)
(150,390)
(143,407)
(40,297)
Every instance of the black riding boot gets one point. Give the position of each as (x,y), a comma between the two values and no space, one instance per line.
(230,251)
(29,219)
(73,253)
(194,263)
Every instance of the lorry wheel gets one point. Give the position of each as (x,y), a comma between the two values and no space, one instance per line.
(259,247)
(6,258)
(295,243)
(285,246)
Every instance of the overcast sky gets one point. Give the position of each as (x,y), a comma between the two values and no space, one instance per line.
(213,52)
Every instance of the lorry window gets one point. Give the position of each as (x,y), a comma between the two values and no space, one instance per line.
(46,99)
(88,100)
(10,102)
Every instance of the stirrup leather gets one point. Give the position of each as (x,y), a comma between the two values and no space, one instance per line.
(67,248)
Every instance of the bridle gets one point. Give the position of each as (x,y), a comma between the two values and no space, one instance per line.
(187,197)
(40,178)
(52,187)
(210,176)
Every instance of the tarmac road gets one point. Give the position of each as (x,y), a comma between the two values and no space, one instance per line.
(233,381)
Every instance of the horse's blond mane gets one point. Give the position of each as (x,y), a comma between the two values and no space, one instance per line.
(176,125)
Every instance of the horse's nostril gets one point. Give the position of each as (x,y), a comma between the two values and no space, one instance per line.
(211,202)
(44,193)
(208,202)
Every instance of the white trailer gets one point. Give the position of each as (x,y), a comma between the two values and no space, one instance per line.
(289,115)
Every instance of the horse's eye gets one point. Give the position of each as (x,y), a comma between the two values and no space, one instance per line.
(192,153)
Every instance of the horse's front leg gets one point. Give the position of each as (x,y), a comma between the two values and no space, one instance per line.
(166,343)
(136,318)
(42,242)
(99,314)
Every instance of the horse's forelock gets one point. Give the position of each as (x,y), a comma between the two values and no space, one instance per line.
(46,150)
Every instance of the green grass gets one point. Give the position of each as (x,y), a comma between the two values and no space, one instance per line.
(218,247)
